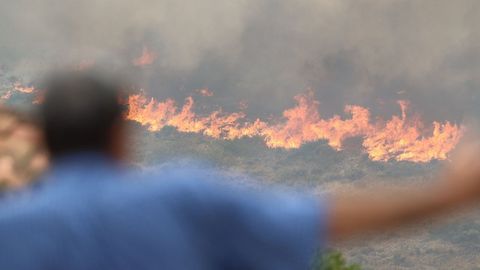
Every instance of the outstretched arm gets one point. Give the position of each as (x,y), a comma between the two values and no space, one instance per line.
(383,208)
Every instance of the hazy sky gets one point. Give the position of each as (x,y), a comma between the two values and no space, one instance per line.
(265,51)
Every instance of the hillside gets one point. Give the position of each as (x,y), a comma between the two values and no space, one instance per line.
(318,168)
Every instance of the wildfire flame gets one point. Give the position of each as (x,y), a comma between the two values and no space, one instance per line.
(204,92)
(147,58)
(399,138)
(23,89)
(7,95)
(18,87)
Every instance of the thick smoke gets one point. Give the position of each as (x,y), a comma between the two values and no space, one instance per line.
(264,52)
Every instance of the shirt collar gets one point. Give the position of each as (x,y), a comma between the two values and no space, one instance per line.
(83,163)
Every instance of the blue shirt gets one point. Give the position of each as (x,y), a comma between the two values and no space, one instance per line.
(90,214)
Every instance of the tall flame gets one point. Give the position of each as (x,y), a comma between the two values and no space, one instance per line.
(147,58)
(399,138)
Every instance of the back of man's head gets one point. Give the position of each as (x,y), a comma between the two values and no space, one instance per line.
(79,113)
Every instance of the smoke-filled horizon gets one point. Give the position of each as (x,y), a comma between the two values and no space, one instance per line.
(369,53)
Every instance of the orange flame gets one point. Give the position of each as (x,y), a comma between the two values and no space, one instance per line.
(147,58)
(7,95)
(398,138)
(23,89)
(18,87)
(204,92)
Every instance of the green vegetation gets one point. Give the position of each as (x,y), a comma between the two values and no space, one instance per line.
(333,260)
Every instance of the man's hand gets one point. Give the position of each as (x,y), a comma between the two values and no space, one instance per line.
(379,209)
(462,175)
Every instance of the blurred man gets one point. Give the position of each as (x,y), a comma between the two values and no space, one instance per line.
(90,213)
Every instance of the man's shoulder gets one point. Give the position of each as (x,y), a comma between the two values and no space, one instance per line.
(164,182)
(169,187)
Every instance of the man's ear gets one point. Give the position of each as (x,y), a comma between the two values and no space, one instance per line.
(118,141)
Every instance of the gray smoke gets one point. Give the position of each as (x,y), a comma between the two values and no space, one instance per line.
(264,52)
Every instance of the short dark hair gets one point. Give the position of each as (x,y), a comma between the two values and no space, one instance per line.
(78,112)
